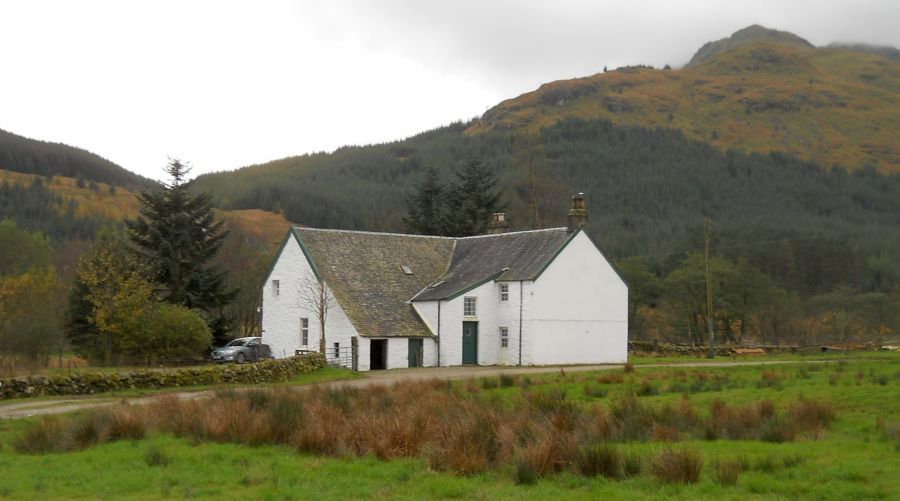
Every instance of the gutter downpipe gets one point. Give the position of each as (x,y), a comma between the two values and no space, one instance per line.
(521,300)
(439,334)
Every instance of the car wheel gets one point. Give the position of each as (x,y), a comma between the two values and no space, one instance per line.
(239,358)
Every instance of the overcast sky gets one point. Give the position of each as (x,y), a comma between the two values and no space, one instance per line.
(224,84)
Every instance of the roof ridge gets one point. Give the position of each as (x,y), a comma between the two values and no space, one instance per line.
(411,235)
(362,232)
(512,233)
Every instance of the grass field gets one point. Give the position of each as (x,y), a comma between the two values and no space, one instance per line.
(854,456)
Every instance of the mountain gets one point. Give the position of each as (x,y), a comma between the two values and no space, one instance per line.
(756,92)
(750,35)
(791,150)
(31,156)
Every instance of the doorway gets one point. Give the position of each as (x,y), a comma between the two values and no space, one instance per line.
(378,354)
(470,343)
(415,352)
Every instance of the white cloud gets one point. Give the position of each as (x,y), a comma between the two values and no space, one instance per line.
(226,84)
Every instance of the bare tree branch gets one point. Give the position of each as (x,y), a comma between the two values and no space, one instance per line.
(316,298)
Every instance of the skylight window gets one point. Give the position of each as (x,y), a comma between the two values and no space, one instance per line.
(406,269)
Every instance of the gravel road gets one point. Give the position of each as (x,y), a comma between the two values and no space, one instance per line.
(21,408)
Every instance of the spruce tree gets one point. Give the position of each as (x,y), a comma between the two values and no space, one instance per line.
(424,207)
(471,200)
(177,235)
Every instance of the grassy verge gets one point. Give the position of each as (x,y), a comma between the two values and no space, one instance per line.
(856,456)
(781,357)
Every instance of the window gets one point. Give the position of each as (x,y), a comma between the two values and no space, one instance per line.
(504,292)
(304,331)
(337,350)
(406,269)
(275,287)
(469,306)
(504,337)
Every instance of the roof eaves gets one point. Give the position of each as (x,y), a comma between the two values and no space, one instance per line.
(553,257)
(307,254)
(608,260)
(596,245)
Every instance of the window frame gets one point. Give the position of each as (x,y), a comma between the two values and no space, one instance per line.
(276,287)
(504,292)
(470,306)
(504,336)
(304,331)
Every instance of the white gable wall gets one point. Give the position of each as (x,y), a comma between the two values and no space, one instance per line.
(282,312)
(577,310)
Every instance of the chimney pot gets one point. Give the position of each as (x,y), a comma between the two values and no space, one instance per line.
(578,215)
(498,224)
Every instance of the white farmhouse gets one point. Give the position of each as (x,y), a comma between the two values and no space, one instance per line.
(520,298)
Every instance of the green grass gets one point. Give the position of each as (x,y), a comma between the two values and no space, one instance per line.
(856,458)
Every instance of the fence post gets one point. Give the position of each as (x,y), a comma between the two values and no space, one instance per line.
(354,353)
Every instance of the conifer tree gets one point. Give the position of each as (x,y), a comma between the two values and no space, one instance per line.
(424,207)
(177,235)
(471,200)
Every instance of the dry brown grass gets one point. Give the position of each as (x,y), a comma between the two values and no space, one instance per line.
(449,426)
(681,466)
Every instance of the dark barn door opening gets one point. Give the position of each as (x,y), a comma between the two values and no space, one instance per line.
(378,354)
(470,343)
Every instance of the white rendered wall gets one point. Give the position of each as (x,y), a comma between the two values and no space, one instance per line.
(282,313)
(491,314)
(397,352)
(578,310)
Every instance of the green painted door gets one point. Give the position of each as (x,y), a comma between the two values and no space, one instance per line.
(415,353)
(470,343)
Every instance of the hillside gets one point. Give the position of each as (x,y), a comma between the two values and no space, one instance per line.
(758,91)
(107,204)
(31,156)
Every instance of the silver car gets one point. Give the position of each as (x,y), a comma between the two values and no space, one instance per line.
(240,350)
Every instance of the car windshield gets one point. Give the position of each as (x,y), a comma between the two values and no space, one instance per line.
(238,342)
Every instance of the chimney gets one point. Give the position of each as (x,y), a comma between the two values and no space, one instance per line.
(578,215)
(498,224)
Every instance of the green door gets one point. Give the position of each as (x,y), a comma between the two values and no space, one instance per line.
(470,343)
(415,353)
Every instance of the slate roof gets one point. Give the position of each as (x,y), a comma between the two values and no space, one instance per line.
(519,255)
(364,270)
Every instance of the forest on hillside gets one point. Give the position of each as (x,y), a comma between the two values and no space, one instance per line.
(30,156)
(826,239)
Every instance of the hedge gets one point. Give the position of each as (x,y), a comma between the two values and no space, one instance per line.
(87,383)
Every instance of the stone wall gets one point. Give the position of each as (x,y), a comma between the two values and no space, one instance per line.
(87,383)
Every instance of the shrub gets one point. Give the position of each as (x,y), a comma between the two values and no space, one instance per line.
(677,466)
(49,435)
(599,459)
(811,416)
(538,459)
(728,471)
(628,368)
(507,381)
